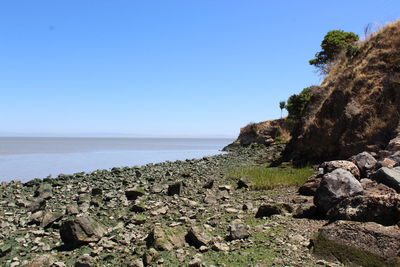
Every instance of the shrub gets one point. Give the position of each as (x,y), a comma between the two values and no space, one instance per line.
(296,103)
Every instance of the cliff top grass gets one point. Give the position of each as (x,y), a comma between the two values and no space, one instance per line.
(266,177)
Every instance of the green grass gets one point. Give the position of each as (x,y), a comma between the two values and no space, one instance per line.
(265,177)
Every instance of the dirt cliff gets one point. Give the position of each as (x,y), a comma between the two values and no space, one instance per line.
(356,108)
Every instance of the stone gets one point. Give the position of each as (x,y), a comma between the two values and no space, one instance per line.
(349,166)
(138,208)
(97,191)
(174,189)
(197,237)
(166,238)
(244,182)
(49,218)
(42,261)
(310,186)
(150,256)
(37,205)
(270,209)
(209,184)
(44,191)
(334,187)
(394,144)
(387,162)
(365,163)
(81,230)
(238,231)
(196,261)
(389,177)
(134,193)
(71,210)
(374,188)
(5,249)
(382,209)
(84,261)
(360,244)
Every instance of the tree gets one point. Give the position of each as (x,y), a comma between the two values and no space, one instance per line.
(333,44)
(282,105)
(296,103)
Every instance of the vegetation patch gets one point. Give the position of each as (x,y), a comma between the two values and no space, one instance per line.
(265,177)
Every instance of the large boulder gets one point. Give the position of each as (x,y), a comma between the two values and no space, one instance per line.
(359,244)
(197,237)
(267,210)
(383,209)
(365,162)
(389,177)
(81,230)
(334,187)
(330,166)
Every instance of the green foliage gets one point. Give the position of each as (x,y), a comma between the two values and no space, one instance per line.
(265,177)
(333,44)
(296,103)
(282,105)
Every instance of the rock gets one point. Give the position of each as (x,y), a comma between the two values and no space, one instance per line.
(394,144)
(84,261)
(387,162)
(349,166)
(209,184)
(49,218)
(97,191)
(225,187)
(5,249)
(365,162)
(268,210)
(37,205)
(166,239)
(81,230)
(373,188)
(196,261)
(389,177)
(174,189)
(238,231)
(310,186)
(138,208)
(244,182)
(150,256)
(134,193)
(306,210)
(382,209)
(44,191)
(334,187)
(71,210)
(197,237)
(42,261)
(355,243)
(217,246)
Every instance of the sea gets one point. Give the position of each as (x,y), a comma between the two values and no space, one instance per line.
(25,158)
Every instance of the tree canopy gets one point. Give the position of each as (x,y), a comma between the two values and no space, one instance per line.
(333,44)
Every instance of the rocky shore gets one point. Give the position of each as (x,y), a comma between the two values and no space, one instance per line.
(187,213)
(173,214)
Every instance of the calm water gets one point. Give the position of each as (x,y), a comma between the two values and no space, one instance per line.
(24,158)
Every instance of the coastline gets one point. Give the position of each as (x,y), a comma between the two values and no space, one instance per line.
(140,214)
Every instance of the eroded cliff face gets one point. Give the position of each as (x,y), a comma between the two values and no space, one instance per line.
(357,106)
(266,133)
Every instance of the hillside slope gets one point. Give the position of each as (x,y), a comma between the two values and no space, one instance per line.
(357,105)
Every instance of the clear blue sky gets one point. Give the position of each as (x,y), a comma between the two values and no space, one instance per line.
(161,68)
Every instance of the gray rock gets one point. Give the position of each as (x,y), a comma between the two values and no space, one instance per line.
(134,193)
(394,144)
(84,261)
(37,205)
(166,239)
(44,191)
(238,231)
(334,187)
(270,209)
(81,230)
(174,189)
(42,261)
(365,162)
(197,237)
(382,209)
(359,244)
(330,166)
(389,177)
